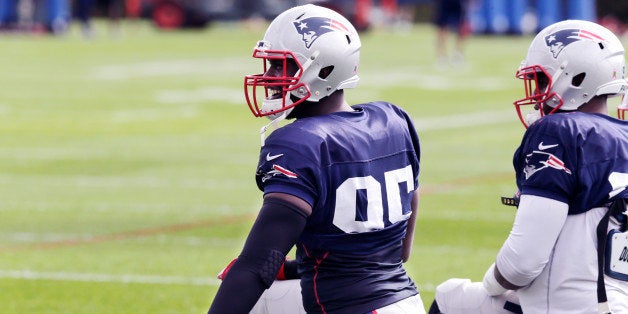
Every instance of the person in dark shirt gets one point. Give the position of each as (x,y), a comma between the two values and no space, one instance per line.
(340,182)
(450,18)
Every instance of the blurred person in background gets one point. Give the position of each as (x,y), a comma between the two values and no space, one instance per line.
(406,13)
(112,9)
(83,13)
(450,18)
(249,11)
(566,252)
(340,182)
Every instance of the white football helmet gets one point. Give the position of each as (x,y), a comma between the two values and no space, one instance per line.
(316,38)
(568,63)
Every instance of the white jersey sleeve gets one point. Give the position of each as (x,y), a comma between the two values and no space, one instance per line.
(527,250)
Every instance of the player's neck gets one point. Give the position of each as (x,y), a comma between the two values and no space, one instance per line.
(328,105)
(595,105)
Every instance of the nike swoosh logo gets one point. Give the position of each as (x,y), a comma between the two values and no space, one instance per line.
(270,157)
(544,147)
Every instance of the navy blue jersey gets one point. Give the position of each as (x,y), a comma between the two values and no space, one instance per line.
(577,158)
(358,171)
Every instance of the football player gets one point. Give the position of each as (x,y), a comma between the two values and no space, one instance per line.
(339,182)
(566,252)
(450,17)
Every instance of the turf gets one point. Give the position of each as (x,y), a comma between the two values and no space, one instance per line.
(127,161)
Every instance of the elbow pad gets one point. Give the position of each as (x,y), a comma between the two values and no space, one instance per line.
(277,228)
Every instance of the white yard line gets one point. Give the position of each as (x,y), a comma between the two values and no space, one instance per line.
(118,72)
(213,93)
(418,78)
(108,278)
(118,182)
(129,278)
(465,120)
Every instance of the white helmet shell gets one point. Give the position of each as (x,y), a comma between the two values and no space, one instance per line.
(583,60)
(318,38)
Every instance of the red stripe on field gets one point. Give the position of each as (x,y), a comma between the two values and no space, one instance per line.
(425,189)
(130,234)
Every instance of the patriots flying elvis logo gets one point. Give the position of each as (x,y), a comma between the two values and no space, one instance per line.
(539,160)
(277,170)
(559,40)
(313,27)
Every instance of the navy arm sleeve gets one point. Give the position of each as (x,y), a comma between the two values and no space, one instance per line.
(276,229)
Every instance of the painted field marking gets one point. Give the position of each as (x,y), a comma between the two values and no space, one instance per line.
(109,278)
(179,67)
(129,278)
(159,230)
(465,120)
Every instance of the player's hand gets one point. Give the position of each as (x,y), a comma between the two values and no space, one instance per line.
(221,275)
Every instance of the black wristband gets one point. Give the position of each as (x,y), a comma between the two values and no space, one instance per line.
(290,270)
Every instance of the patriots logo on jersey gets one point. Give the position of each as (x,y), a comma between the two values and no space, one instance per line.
(539,160)
(313,27)
(559,40)
(277,170)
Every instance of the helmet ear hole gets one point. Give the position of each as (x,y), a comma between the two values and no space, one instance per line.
(325,72)
(578,79)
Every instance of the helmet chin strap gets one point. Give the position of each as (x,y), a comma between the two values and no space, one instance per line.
(555,78)
(531,117)
(274,104)
(273,123)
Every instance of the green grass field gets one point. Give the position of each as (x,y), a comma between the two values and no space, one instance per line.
(127,164)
